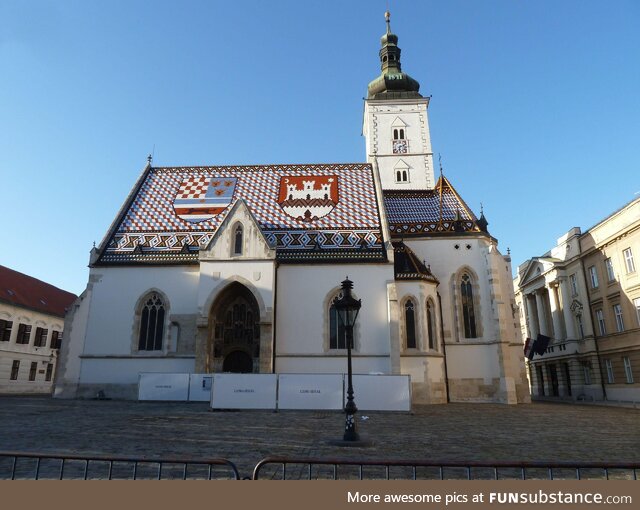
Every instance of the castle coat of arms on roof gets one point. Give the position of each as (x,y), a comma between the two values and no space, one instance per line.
(201,198)
(310,197)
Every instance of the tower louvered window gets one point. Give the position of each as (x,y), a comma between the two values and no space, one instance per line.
(151,324)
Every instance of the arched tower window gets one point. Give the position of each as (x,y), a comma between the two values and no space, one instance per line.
(398,133)
(238,240)
(410,324)
(431,325)
(468,310)
(151,324)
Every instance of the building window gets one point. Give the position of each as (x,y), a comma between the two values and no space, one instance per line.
(237,240)
(33,370)
(468,310)
(636,303)
(628,261)
(24,332)
(608,264)
(574,284)
(586,371)
(627,369)
(608,364)
(151,324)
(580,325)
(56,339)
(15,368)
(402,176)
(410,324)
(617,311)
(593,275)
(41,337)
(398,133)
(5,330)
(337,331)
(431,325)
(49,373)
(600,320)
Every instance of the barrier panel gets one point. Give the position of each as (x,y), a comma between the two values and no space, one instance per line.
(382,392)
(244,391)
(200,387)
(161,386)
(310,391)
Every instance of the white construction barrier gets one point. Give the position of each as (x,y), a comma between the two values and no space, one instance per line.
(244,391)
(381,392)
(160,386)
(310,391)
(200,387)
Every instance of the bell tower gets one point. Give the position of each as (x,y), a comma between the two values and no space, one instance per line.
(396,124)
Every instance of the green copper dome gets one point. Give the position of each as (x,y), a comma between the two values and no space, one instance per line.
(392,82)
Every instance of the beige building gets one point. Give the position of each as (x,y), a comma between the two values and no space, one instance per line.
(31,326)
(585,295)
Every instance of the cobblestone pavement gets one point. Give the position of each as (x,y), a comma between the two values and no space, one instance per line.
(455,432)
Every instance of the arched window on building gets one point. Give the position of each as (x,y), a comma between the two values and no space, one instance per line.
(151,324)
(468,308)
(238,239)
(337,332)
(431,325)
(410,324)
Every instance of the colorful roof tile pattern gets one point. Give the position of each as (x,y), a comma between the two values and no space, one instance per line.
(424,212)
(328,209)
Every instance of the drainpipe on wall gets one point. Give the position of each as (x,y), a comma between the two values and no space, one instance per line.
(275,308)
(444,349)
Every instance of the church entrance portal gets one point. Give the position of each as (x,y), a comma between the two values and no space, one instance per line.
(234,331)
(238,362)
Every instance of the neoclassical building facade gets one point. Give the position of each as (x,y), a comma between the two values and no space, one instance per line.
(585,295)
(236,269)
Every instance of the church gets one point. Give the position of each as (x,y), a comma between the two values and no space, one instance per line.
(236,269)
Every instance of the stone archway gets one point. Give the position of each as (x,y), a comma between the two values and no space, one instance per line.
(233,340)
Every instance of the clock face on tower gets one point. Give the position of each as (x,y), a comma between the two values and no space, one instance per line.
(400,147)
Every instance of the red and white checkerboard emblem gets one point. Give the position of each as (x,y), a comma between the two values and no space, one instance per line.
(201,198)
(308,197)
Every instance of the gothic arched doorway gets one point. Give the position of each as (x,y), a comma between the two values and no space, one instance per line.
(237,362)
(234,331)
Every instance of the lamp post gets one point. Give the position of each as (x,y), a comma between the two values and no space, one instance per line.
(347,308)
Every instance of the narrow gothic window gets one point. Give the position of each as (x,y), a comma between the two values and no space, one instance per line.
(151,324)
(237,247)
(395,134)
(404,176)
(401,134)
(337,332)
(468,312)
(410,323)
(431,325)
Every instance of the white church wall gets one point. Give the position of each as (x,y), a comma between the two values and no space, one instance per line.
(304,295)
(117,291)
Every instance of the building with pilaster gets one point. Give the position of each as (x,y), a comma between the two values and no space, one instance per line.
(585,294)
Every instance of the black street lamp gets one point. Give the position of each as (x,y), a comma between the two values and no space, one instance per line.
(347,308)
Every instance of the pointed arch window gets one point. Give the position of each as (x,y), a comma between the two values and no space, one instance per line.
(431,325)
(410,324)
(468,309)
(238,234)
(151,324)
(337,331)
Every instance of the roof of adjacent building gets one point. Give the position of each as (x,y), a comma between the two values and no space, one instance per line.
(21,290)
(430,211)
(305,212)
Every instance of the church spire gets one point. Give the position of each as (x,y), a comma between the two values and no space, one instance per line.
(392,82)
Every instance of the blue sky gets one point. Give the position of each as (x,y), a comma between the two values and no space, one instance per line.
(535,106)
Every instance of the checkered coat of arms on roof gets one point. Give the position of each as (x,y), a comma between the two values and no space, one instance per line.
(308,197)
(200,198)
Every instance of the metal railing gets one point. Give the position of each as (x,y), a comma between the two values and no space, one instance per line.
(42,465)
(286,468)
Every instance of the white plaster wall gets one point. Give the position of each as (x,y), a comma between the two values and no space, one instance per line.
(116,291)
(101,370)
(331,364)
(445,261)
(302,311)
(379,117)
(472,361)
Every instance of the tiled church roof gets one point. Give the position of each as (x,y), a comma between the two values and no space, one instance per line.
(306,212)
(424,212)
